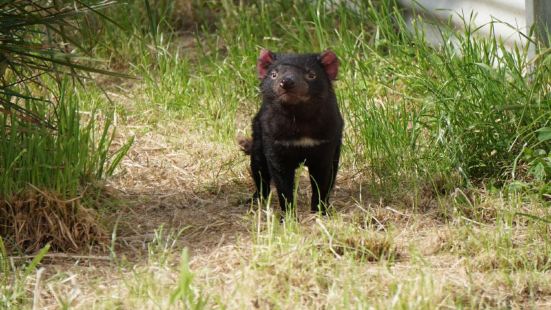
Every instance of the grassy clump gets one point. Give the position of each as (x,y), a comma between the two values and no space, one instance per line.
(48,173)
(49,152)
(462,112)
(484,103)
(57,159)
(36,218)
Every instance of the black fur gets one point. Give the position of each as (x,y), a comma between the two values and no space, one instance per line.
(298,104)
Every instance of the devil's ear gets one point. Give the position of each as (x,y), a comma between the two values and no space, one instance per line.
(330,64)
(264,61)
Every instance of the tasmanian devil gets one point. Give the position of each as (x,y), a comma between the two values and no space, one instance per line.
(299,122)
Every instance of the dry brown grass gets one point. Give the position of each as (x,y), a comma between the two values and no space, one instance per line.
(31,220)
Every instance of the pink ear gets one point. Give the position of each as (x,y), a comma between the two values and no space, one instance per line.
(264,61)
(330,63)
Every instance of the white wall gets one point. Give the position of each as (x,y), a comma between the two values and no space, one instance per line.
(512,12)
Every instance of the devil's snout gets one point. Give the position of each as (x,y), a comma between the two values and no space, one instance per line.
(287,83)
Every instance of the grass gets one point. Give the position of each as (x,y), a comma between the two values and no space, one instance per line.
(51,156)
(77,151)
(49,177)
(441,200)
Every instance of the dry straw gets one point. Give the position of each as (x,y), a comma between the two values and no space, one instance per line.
(35,218)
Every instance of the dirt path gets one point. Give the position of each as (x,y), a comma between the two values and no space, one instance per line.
(175,178)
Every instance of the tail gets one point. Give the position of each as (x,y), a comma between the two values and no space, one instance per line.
(246,144)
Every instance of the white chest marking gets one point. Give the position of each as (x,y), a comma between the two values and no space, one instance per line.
(302,142)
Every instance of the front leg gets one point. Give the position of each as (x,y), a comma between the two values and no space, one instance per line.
(284,179)
(322,177)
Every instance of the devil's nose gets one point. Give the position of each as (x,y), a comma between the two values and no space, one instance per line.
(287,83)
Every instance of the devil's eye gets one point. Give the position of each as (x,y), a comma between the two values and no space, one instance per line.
(273,75)
(311,75)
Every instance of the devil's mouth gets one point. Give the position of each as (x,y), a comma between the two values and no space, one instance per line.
(289,97)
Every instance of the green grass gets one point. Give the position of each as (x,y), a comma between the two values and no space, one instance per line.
(58,160)
(54,145)
(451,143)
(14,281)
(470,108)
